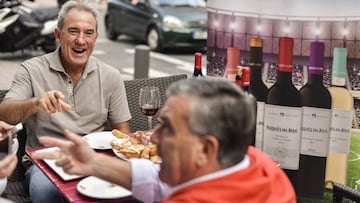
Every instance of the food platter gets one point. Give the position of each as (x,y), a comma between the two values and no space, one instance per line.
(135,145)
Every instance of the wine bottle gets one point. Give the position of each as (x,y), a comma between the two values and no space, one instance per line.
(245,85)
(282,115)
(315,131)
(245,79)
(233,60)
(341,120)
(257,87)
(197,66)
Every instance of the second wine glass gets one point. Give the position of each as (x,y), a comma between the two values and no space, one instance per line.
(149,101)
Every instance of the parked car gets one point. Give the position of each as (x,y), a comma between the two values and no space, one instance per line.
(159,23)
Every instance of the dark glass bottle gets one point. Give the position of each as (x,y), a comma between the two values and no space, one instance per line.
(282,115)
(257,87)
(244,84)
(197,66)
(316,101)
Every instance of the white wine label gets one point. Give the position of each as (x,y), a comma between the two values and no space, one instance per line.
(315,131)
(259,125)
(340,132)
(282,133)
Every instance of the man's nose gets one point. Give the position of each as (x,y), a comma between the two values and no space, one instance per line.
(80,38)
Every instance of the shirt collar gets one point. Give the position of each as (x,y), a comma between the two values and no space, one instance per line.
(240,166)
(55,63)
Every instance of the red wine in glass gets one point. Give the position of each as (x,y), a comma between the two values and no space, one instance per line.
(149,109)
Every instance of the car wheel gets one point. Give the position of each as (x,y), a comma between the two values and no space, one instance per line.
(153,39)
(110,32)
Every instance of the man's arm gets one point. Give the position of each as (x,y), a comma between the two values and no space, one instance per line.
(123,127)
(112,169)
(13,111)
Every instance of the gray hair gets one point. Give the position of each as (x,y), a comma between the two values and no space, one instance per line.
(221,109)
(79,5)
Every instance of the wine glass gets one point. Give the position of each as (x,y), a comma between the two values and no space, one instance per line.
(149,101)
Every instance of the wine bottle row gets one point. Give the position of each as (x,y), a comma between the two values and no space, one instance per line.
(306,131)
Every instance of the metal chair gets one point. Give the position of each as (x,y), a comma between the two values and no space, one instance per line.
(341,191)
(139,121)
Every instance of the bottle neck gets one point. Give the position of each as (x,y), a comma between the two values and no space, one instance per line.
(246,89)
(197,72)
(338,81)
(316,79)
(255,75)
(284,77)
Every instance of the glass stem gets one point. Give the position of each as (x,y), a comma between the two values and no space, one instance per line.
(150,122)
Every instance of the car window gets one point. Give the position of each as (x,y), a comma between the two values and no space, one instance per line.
(194,3)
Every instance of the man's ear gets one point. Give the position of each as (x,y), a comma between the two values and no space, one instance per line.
(209,150)
(57,35)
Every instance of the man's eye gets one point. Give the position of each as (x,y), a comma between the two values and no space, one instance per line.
(89,33)
(73,32)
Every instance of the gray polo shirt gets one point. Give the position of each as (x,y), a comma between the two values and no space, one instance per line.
(99,96)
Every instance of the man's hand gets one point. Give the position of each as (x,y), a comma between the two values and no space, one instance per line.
(4,127)
(75,155)
(52,102)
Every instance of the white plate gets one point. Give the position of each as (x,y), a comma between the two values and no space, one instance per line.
(120,155)
(100,140)
(100,189)
(51,163)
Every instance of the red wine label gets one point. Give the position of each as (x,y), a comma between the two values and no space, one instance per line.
(315,131)
(285,68)
(341,121)
(282,127)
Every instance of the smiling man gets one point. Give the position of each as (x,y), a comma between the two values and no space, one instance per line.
(69,89)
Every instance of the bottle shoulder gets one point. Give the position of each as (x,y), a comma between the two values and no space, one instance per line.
(341,98)
(317,96)
(314,90)
(259,92)
(284,95)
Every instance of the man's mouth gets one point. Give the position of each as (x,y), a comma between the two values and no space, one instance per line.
(79,50)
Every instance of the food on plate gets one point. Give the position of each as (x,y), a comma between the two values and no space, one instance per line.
(136,145)
(117,133)
(146,152)
(155,159)
(129,153)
